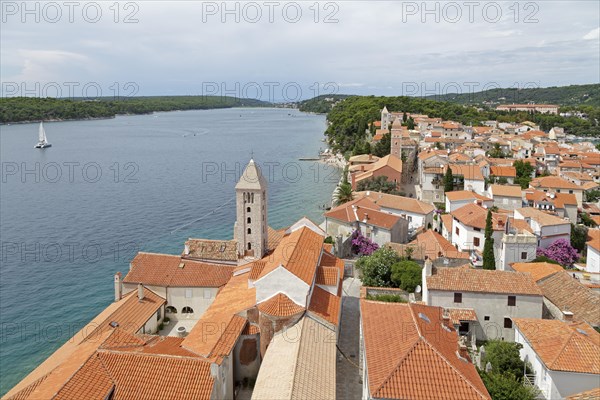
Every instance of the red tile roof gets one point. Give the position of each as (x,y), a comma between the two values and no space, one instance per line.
(173,271)
(360,209)
(480,280)
(325,305)
(412,354)
(280,306)
(298,252)
(567,347)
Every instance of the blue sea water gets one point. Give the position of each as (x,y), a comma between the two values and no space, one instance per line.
(74,214)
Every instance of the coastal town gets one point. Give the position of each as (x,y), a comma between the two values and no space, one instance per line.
(463,263)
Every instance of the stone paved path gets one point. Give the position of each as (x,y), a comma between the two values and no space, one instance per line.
(349,385)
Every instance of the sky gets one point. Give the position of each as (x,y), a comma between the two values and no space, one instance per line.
(287,51)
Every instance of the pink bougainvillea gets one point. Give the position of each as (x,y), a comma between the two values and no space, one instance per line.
(361,245)
(560,251)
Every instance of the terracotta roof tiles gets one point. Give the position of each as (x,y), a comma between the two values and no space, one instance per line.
(486,281)
(280,306)
(568,347)
(173,271)
(325,305)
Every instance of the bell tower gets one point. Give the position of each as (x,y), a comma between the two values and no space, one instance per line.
(250,230)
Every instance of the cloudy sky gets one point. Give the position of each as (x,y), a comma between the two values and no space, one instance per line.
(278,50)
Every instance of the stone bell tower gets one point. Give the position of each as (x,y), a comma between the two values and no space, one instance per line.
(250,230)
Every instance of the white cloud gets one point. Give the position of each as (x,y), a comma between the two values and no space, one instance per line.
(594,34)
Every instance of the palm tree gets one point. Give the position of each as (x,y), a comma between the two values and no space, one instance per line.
(343,194)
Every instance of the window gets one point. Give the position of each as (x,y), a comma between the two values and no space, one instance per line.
(248,209)
(477,229)
(187,310)
(508,323)
(456,230)
(512,300)
(570,191)
(249,246)
(170,310)
(249,230)
(458,297)
(476,242)
(249,220)
(486,318)
(188,293)
(158,314)
(523,255)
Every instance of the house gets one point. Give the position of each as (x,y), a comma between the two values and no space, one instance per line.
(188,286)
(564,205)
(508,173)
(563,355)
(587,395)
(468,230)
(507,197)
(366,216)
(547,228)
(467,177)
(495,297)
(430,245)
(541,108)
(419,214)
(429,165)
(459,198)
(518,244)
(564,296)
(592,265)
(558,185)
(410,351)
(389,166)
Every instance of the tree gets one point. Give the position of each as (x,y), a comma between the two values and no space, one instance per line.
(524,170)
(489,260)
(587,220)
(448,181)
(406,275)
(496,152)
(579,236)
(376,269)
(560,251)
(598,146)
(410,124)
(343,194)
(503,386)
(504,381)
(361,245)
(505,357)
(377,184)
(384,146)
(592,196)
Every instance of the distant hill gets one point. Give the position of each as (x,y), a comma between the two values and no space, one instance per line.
(321,104)
(574,95)
(30,109)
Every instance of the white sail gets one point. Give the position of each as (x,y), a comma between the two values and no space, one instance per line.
(42,134)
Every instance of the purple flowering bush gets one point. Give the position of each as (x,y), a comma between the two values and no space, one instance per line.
(560,251)
(361,245)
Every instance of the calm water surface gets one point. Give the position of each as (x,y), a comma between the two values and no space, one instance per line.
(74,214)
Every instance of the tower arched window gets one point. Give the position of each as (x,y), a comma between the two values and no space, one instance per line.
(251,197)
(187,310)
(171,310)
(249,246)
(249,230)
(247,209)
(249,220)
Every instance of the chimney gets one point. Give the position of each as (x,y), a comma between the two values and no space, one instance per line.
(428,267)
(118,287)
(567,316)
(370,156)
(140,292)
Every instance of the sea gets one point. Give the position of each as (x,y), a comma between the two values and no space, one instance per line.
(74,214)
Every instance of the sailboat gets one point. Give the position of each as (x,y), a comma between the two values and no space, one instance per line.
(42,141)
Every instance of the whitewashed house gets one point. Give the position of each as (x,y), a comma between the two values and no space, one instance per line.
(564,355)
(494,298)
(459,198)
(547,228)
(507,197)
